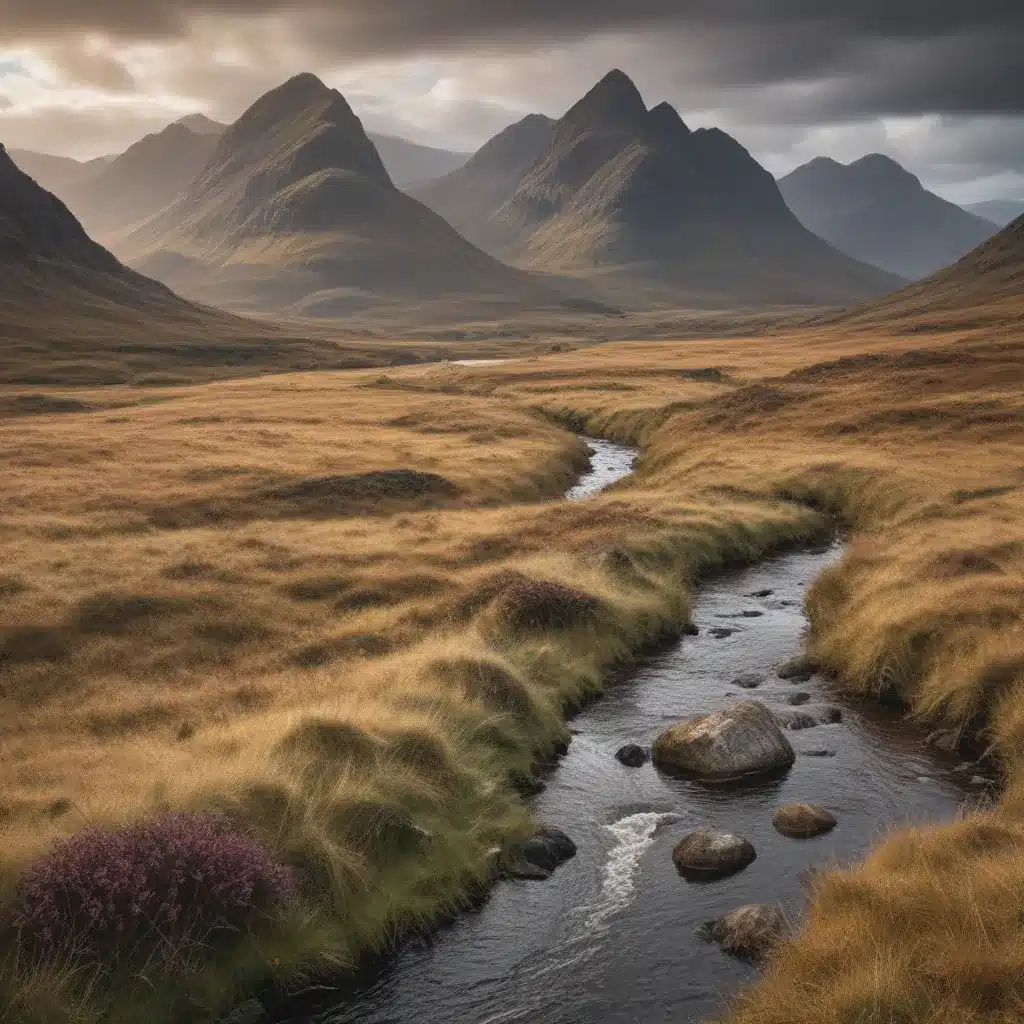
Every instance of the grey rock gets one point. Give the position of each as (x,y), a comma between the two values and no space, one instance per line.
(797,670)
(799,699)
(549,848)
(761,593)
(946,740)
(818,752)
(803,821)
(525,871)
(721,633)
(751,932)
(743,739)
(633,756)
(706,855)
(748,680)
(753,613)
(800,721)
(832,716)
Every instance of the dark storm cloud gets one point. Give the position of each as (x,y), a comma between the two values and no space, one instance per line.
(899,56)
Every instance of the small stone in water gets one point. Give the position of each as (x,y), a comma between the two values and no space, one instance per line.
(799,699)
(800,721)
(748,680)
(633,756)
(761,593)
(804,821)
(832,716)
(753,613)
(720,633)
(818,752)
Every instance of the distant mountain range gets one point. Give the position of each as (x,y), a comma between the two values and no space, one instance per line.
(999,211)
(113,192)
(632,201)
(876,211)
(295,212)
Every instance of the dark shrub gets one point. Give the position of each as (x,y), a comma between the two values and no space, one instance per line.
(154,887)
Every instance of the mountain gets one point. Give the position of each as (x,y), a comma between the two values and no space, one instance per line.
(55,173)
(983,289)
(469,197)
(1000,211)
(295,212)
(876,211)
(70,312)
(631,198)
(142,180)
(201,124)
(410,164)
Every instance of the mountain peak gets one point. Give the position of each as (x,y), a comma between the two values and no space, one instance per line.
(305,83)
(201,124)
(665,121)
(882,168)
(615,99)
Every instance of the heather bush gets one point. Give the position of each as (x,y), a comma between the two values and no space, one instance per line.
(156,889)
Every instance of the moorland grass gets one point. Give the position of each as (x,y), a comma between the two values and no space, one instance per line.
(363,693)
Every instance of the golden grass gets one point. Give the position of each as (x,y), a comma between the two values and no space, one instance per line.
(188,621)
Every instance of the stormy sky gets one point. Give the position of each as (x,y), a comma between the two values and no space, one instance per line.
(934,83)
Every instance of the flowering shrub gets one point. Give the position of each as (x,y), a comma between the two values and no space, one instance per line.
(162,884)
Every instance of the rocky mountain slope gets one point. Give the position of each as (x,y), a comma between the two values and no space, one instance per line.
(71,312)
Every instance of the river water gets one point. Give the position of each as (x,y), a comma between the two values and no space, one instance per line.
(609,939)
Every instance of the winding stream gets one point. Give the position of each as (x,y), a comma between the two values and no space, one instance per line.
(610,937)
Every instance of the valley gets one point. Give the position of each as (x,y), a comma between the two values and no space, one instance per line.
(356,512)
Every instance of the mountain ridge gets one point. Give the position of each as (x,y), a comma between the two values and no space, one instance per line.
(295,211)
(624,194)
(877,211)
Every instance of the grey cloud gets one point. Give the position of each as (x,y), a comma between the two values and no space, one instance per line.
(895,55)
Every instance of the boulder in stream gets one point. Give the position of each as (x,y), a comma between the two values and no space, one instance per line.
(799,699)
(633,756)
(748,680)
(721,632)
(946,740)
(800,721)
(743,739)
(751,932)
(706,855)
(761,593)
(832,716)
(797,670)
(537,858)
(804,821)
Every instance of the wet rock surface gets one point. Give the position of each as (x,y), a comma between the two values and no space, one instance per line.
(799,699)
(750,932)
(800,721)
(797,670)
(748,680)
(804,821)
(539,856)
(742,740)
(633,756)
(706,855)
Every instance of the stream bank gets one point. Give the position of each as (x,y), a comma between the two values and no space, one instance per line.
(611,936)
